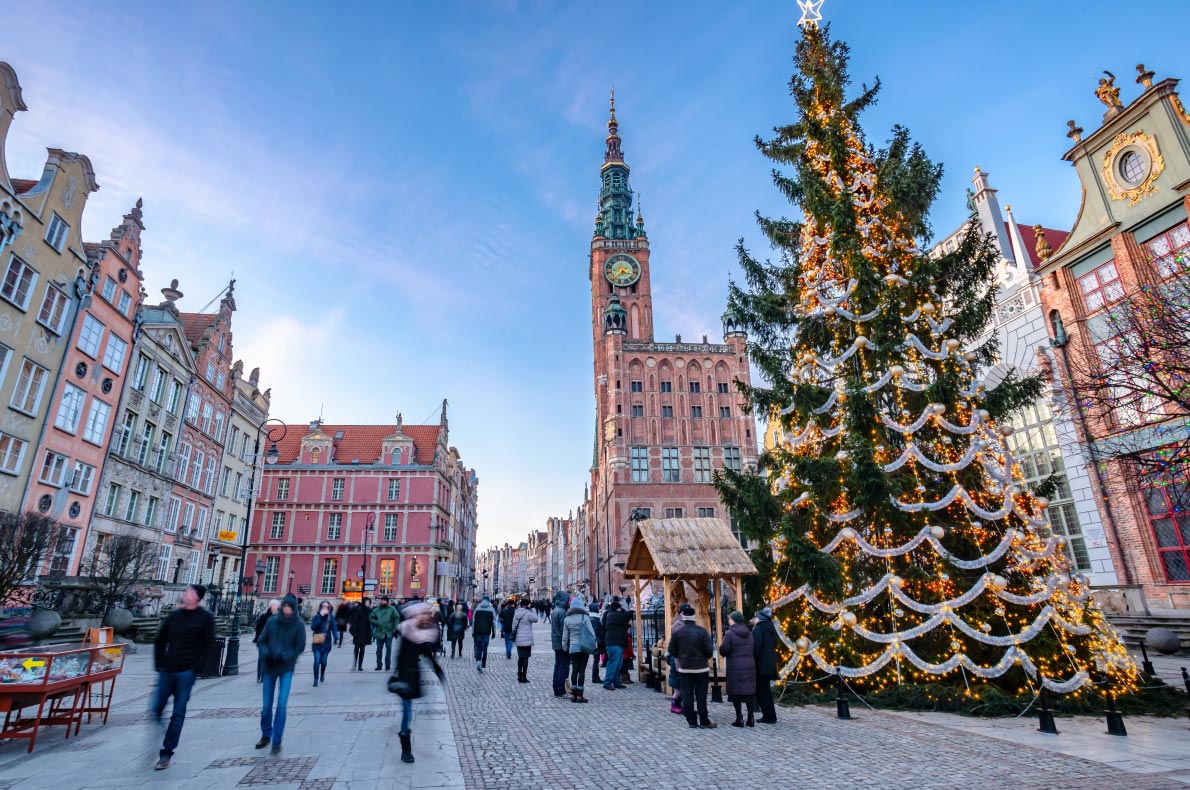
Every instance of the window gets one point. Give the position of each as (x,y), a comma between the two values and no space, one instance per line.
(696,412)
(70,410)
(217,526)
(695,388)
(239,491)
(640,464)
(18,282)
(387,572)
(60,562)
(330,571)
(163,561)
(183,465)
(674,512)
(724,388)
(390,526)
(667,411)
(636,386)
(133,508)
(1171,528)
(1132,167)
(219,419)
(1166,248)
(55,235)
(90,336)
(220,380)
(667,386)
(26,396)
(140,373)
(283,488)
(702,464)
(151,511)
(334,526)
(53,310)
(96,429)
(109,290)
(127,433)
(163,451)
(337,488)
(186,521)
(272,569)
(211,371)
(157,391)
(12,450)
(638,410)
(731,459)
(706,512)
(277,532)
(148,431)
(644,512)
(208,483)
(171,517)
(724,412)
(670,472)
(113,357)
(53,469)
(113,499)
(200,526)
(192,408)
(196,471)
(1101,287)
(394,489)
(175,396)
(208,413)
(125,302)
(80,480)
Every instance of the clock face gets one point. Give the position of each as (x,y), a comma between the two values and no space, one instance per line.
(622,269)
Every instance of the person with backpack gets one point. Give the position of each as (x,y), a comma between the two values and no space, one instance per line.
(507,612)
(580,642)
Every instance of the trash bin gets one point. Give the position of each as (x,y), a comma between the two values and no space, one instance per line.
(212,663)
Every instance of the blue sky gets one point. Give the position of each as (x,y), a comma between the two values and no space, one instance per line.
(405,191)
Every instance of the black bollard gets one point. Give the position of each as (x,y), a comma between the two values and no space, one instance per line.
(1045,716)
(1146,665)
(842,707)
(1115,719)
(1186,680)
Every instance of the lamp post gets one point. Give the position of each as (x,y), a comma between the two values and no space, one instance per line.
(485,582)
(232,665)
(291,582)
(531,580)
(369,529)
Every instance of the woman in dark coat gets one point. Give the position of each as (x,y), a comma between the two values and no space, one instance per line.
(456,629)
(418,635)
(764,638)
(269,611)
(323,624)
(361,632)
(737,648)
(342,620)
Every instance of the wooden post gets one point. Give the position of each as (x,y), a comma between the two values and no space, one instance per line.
(668,610)
(739,595)
(640,672)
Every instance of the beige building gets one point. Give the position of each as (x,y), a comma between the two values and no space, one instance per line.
(45,277)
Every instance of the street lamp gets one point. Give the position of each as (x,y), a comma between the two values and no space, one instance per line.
(369,529)
(291,582)
(531,580)
(485,582)
(232,665)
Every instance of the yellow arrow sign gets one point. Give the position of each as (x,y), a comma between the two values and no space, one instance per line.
(30,663)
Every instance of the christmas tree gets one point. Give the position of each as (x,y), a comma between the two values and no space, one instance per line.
(901,544)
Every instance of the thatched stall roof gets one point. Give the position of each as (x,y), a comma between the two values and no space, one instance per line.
(686,547)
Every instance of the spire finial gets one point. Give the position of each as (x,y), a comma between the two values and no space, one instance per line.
(612,124)
(640,217)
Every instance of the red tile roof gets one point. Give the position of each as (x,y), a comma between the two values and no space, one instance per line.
(22,185)
(361,442)
(194,324)
(1055,238)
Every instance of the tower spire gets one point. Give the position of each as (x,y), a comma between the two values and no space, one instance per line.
(614,220)
(613,155)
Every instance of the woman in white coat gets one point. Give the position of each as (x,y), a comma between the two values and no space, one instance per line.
(522,630)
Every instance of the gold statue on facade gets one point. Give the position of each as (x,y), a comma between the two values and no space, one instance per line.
(1108,93)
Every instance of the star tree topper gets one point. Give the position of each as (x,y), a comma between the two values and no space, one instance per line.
(811,12)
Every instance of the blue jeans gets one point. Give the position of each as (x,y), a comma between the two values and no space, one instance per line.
(384,644)
(561,672)
(508,645)
(320,657)
(481,650)
(615,659)
(406,714)
(273,726)
(178,685)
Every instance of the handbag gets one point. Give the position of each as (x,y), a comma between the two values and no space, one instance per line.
(587,641)
(318,639)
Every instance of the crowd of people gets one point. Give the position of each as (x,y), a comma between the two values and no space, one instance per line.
(581,632)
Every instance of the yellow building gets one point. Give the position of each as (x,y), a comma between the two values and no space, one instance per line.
(44,280)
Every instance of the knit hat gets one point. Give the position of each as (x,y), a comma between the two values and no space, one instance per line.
(593,608)
(487,598)
(737,617)
(687,611)
(766,613)
(578,601)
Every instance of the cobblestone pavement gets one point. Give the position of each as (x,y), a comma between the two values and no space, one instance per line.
(513,735)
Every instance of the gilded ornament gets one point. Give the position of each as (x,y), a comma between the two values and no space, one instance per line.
(1108,93)
(1177,105)
(1146,187)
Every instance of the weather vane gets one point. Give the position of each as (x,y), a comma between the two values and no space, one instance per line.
(811,12)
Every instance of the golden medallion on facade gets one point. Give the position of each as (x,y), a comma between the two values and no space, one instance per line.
(1131,167)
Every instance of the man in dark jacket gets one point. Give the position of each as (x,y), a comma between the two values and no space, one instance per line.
(600,641)
(283,640)
(483,627)
(507,612)
(691,647)
(561,655)
(764,641)
(616,623)
(361,632)
(182,643)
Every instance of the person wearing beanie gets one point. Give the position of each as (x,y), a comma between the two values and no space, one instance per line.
(600,640)
(561,656)
(691,647)
(522,636)
(361,632)
(483,628)
(182,642)
(616,623)
(740,669)
(456,629)
(418,638)
(281,642)
(507,612)
(322,625)
(579,641)
(764,647)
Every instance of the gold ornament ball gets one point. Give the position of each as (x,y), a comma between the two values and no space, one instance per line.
(897,370)
(938,408)
(830,311)
(847,533)
(842,455)
(953,343)
(970,356)
(1006,430)
(802,644)
(937,532)
(861,341)
(1042,502)
(999,582)
(848,618)
(927,308)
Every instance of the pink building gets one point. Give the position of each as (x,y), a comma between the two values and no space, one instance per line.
(347,503)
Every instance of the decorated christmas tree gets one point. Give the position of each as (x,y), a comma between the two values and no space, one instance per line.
(901,544)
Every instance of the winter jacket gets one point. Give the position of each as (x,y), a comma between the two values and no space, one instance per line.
(522,623)
(572,628)
(483,620)
(324,625)
(384,620)
(260,621)
(456,625)
(737,647)
(615,628)
(361,625)
(408,669)
(506,615)
(692,647)
(561,605)
(282,641)
(343,617)
(764,646)
(183,640)
(600,633)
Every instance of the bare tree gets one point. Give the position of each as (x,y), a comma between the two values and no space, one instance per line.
(121,563)
(27,540)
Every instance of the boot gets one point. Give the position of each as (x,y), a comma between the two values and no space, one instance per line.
(323,674)
(406,747)
(739,716)
(751,720)
(578,694)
